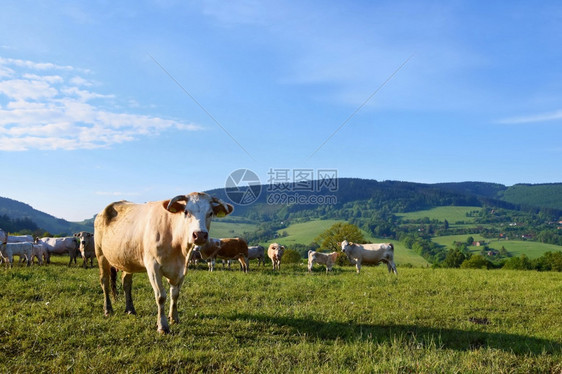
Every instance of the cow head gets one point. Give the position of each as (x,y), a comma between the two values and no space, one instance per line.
(345,245)
(198,209)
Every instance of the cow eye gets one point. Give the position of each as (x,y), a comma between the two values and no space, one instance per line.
(187,213)
(211,213)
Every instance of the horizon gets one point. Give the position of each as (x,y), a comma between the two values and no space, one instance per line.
(102,102)
(269,191)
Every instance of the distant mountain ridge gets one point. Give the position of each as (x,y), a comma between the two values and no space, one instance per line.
(17,210)
(394,195)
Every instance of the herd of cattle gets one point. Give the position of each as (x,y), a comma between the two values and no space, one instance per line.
(30,249)
(162,239)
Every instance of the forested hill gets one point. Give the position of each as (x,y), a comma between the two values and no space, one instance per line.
(355,198)
(393,197)
(17,216)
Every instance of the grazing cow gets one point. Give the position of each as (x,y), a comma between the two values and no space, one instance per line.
(256,252)
(155,237)
(20,239)
(227,249)
(20,249)
(60,246)
(369,254)
(3,241)
(328,259)
(86,247)
(39,252)
(275,253)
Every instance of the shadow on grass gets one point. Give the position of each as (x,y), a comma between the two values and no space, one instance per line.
(419,335)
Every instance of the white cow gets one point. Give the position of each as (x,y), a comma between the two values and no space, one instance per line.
(369,254)
(20,249)
(86,247)
(39,252)
(328,259)
(20,239)
(256,252)
(3,241)
(275,253)
(60,246)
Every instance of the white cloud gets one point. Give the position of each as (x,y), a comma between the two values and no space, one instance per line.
(46,111)
(541,117)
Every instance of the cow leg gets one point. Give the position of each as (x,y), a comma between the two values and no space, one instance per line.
(174,293)
(155,277)
(127,280)
(243,264)
(391,267)
(358,266)
(105,273)
(310,266)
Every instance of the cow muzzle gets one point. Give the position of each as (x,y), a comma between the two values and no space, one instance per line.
(200,237)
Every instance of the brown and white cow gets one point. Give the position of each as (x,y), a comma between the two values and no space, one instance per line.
(86,247)
(226,249)
(328,259)
(369,254)
(275,253)
(155,237)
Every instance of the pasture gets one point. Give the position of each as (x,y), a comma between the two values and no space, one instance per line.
(450,213)
(531,249)
(423,321)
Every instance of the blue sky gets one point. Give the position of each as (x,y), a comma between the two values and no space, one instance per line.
(143,100)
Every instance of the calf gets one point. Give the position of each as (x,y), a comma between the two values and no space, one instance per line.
(86,247)
(226,249)
(328,259)
(370,254)
(21,249)
(40,253)
(256,252)
(275,253)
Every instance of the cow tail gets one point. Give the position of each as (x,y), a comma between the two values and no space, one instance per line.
(114,282)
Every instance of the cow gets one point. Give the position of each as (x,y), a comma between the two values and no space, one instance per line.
(156,238)
(20,239)
(21,249)
(256,252)
(226,249)
(3,241)
(328,259)
(86,247)
(275,253)
(39,252)
(370,254)
(60,246)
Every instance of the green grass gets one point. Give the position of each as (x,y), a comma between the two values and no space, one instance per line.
(221,229)
(451,213)
(306,232)
(515,247)
(423,321)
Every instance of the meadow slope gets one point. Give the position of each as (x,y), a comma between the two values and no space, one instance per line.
(423,321)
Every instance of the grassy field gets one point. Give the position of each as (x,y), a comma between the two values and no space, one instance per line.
(304,233)
(423,321)
(221,229)
(515,247)
(450,213)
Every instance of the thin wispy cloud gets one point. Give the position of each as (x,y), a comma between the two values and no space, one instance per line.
(52,107)
(541,117)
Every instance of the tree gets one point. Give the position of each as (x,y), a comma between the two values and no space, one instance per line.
(469,240)
(455,257)
(476,262)
(339,232)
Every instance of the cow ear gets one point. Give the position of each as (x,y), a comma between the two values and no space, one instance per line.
(174,205)
(220,208)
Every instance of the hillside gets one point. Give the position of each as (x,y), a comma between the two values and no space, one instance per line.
(16,210)
(355,198)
